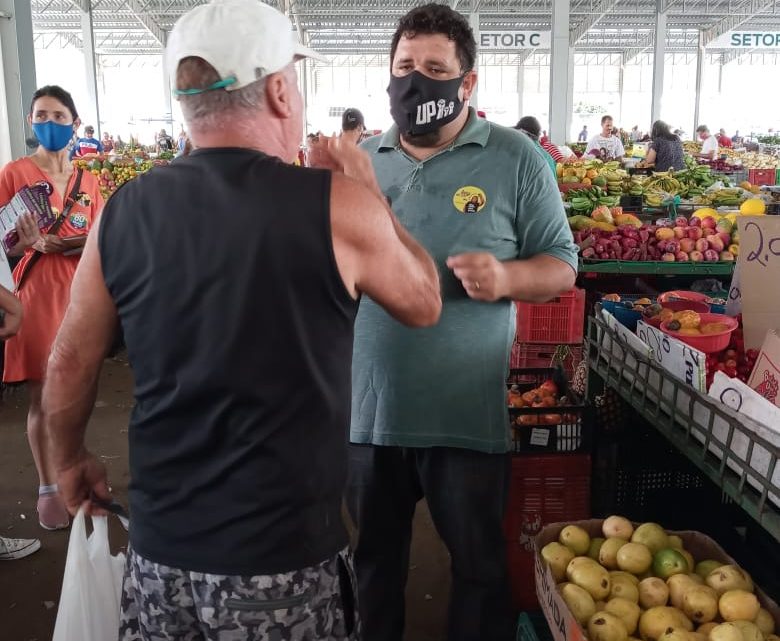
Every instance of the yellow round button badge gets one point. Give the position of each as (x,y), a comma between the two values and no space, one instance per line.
(469,200)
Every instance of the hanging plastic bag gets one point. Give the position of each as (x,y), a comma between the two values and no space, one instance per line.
(91,586)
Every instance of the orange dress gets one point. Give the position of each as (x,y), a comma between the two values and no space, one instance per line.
(46,290)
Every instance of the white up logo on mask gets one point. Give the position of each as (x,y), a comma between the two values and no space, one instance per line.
(434,110)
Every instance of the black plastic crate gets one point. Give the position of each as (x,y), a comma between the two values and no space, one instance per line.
(557,428)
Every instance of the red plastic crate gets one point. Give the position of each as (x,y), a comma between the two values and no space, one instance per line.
(762,176)
(548,488)
(560,320)
(529,355)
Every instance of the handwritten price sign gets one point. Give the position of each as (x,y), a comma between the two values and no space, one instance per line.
(759,275)
(676,357)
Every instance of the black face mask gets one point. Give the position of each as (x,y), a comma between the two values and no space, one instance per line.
(421,105)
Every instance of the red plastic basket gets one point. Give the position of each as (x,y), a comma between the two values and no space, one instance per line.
(561,320)
(529,355)
(548,488)
(761,176)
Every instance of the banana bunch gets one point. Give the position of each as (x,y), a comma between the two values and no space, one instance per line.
(614,181)
(584,201)
(727,198)
(664,181)
(655,197)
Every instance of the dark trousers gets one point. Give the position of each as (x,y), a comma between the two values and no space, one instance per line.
(466,492)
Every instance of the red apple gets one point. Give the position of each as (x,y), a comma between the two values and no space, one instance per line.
(679,232)
(709,222)
(681,221)
(696,256)
(715,243)
(662,245)
(672,246)
(681,256)
(711,256)
(668,258)
(687,245)
(694,233)
(728,256)
(695,221)
(726,238)
(702,245)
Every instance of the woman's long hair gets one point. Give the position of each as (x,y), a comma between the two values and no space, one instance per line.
(662,130)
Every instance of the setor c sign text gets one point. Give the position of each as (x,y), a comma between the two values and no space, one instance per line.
(513,40)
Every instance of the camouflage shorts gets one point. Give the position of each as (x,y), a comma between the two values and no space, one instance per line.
(160,603)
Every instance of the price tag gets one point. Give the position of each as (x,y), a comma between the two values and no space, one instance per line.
(676,357)
(759,265)
(734,302)
(540,436)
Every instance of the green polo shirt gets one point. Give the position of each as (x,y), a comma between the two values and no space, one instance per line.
(491,191)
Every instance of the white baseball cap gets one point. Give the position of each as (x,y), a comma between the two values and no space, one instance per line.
(244,40)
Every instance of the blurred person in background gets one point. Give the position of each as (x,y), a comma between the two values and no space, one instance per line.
(724,140)
(353,126)
(530,127)
(108,143)
(88,145)
(709,143)
(607,144)
(666,150)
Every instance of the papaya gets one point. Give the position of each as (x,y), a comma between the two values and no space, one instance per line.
(603,226)
(627,219)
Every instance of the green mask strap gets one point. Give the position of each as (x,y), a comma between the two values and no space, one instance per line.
(219,84)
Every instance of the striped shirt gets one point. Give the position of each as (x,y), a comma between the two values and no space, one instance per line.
(553,150)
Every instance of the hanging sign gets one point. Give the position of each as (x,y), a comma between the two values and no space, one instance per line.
(513,40)
(747,40)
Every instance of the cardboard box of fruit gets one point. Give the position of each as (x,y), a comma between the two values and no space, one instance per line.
(586,591)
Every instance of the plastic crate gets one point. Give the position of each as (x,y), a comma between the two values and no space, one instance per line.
(777,177)
(532,356)
(547,488)
(762,176)
(531,431)
(561,320)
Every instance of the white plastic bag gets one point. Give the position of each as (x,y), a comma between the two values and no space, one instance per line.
(91,586)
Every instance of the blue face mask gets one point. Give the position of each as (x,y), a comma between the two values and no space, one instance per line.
(53,136)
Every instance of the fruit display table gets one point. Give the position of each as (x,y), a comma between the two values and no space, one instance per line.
(729,448)
(657,268)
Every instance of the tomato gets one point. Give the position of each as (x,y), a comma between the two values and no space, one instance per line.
(550,387)
(752,354)
(550,419)
(731,364)
(731,372)
(528,419)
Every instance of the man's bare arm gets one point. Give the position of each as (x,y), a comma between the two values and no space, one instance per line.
(84,338)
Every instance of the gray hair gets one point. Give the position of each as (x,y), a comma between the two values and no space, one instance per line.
(208,109)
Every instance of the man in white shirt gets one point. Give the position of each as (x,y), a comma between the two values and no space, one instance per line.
(606,145)
(709,144)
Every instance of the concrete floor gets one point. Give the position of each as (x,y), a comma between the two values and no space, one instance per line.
(30,588)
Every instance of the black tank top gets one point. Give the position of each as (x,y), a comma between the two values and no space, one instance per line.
(239,334)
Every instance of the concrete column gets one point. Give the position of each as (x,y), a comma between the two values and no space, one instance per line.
(90,115)
(520,86)
(167,93)
(561,74)
(474,23)
(699,81)
(304,69)
(658,60)
(621,75)
(18,57)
